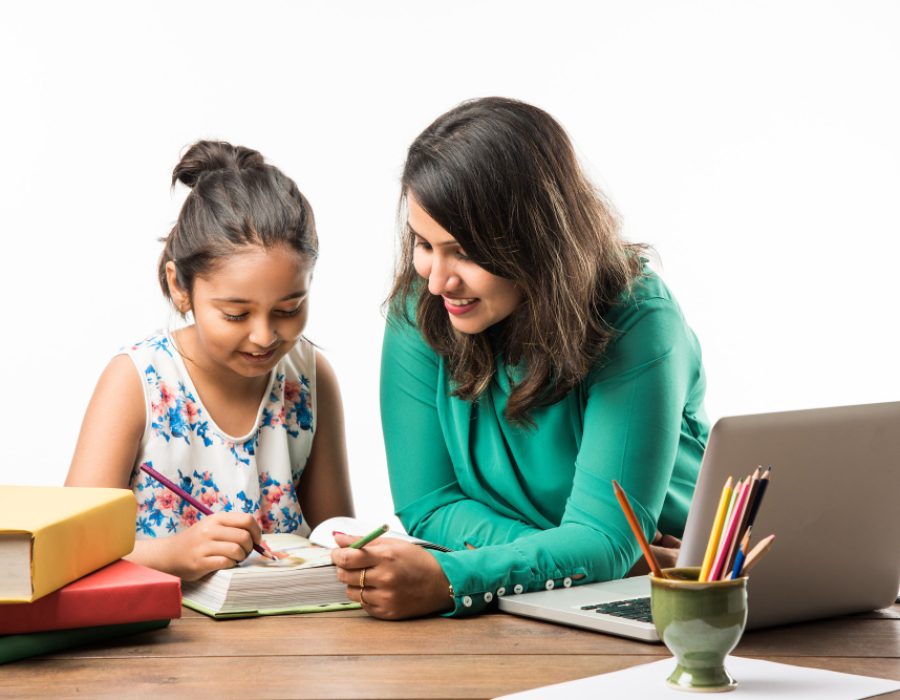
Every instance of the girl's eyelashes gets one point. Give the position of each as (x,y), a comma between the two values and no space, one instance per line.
(461,255)
(289,312)
(283,313)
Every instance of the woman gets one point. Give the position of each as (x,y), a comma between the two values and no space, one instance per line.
(530,358)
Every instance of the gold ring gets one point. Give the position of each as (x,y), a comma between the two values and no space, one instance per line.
(362,578)
(362,601)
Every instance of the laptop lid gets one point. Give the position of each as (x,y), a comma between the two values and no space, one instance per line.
(832,504)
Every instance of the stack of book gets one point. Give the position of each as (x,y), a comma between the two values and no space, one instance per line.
(62,580)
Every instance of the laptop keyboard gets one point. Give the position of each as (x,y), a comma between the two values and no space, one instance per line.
(632,609)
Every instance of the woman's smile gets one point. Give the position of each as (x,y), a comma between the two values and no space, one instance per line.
(458,307)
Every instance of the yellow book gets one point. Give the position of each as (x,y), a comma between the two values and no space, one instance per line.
(52,535)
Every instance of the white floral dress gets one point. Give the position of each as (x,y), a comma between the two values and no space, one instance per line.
(256,473)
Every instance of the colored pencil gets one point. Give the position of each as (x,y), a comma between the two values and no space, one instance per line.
(716,531)
(730,533)
(741,554)
(742,523)
(363,541)
(636,529)
(756,554)
(735,493)
(763,485)
(188,498)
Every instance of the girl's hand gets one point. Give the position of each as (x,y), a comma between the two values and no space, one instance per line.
(217,541)
(401,579)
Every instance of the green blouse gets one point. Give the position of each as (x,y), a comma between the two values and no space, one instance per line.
(537,504)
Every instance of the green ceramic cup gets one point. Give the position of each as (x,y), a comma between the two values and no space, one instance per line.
(700,623)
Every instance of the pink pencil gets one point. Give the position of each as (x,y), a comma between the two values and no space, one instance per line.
(185,496)
(733,524)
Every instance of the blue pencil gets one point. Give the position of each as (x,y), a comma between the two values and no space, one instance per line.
(741,553)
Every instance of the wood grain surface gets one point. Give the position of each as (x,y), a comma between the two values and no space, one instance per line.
(350,655)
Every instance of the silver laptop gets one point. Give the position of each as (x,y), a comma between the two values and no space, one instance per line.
(833,502)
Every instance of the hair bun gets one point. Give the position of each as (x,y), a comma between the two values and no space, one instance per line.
(209,156)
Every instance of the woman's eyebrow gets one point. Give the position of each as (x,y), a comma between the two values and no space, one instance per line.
(442,244)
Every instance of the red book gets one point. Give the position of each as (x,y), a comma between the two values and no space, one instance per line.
(119,593)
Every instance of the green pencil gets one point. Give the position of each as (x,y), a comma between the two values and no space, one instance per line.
(377,532)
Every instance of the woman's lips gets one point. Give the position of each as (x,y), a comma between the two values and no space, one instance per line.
(458,307)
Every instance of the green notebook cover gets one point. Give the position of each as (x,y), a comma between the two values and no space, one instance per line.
(20,646)
(301,610)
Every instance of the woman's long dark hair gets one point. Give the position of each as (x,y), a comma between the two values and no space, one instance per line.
(501,176)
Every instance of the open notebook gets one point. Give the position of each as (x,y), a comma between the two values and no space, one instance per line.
(304,581)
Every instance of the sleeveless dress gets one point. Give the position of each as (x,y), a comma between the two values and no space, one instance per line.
(256,473)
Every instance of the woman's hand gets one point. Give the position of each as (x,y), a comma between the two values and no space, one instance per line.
(665,548)
(217,541)
(401,579)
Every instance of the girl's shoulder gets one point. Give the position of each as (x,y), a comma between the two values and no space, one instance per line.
(157,343)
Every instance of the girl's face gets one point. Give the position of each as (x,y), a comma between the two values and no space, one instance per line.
(474,298)
(250,310)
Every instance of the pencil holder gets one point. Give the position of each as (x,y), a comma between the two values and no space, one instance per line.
(700,623)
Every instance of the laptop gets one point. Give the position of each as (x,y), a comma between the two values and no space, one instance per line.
(833,502)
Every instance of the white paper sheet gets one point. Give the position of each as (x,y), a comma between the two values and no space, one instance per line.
(756,679)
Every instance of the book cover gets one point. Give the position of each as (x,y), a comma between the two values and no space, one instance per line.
(302,580)
(119,593)
(20,646)
(52,535)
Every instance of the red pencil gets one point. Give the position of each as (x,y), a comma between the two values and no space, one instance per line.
(178,491)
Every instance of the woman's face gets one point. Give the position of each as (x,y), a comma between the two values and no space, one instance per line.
(474,298)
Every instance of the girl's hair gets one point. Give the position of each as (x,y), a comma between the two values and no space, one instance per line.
(236,200)
(502,178)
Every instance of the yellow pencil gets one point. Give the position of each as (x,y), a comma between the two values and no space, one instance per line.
(716,531)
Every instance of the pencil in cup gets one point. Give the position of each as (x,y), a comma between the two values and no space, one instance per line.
(636,529)
(718,567)
(756,554)
(716,532)
(752,489)
(188,498)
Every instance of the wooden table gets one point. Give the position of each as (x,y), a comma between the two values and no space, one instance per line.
(349,655)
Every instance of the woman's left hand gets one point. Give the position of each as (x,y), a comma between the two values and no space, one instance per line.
(401,579)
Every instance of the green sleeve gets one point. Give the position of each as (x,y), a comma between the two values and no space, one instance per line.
(427,497)
(632,425)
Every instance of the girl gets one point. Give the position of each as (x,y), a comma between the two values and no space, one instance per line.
(529,359)
(238,407)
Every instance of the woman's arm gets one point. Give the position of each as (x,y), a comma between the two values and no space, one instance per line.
(325,484)
(632,428)
(105,455)
(632,420)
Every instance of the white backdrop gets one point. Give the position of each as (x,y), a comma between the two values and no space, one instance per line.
(755,145)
